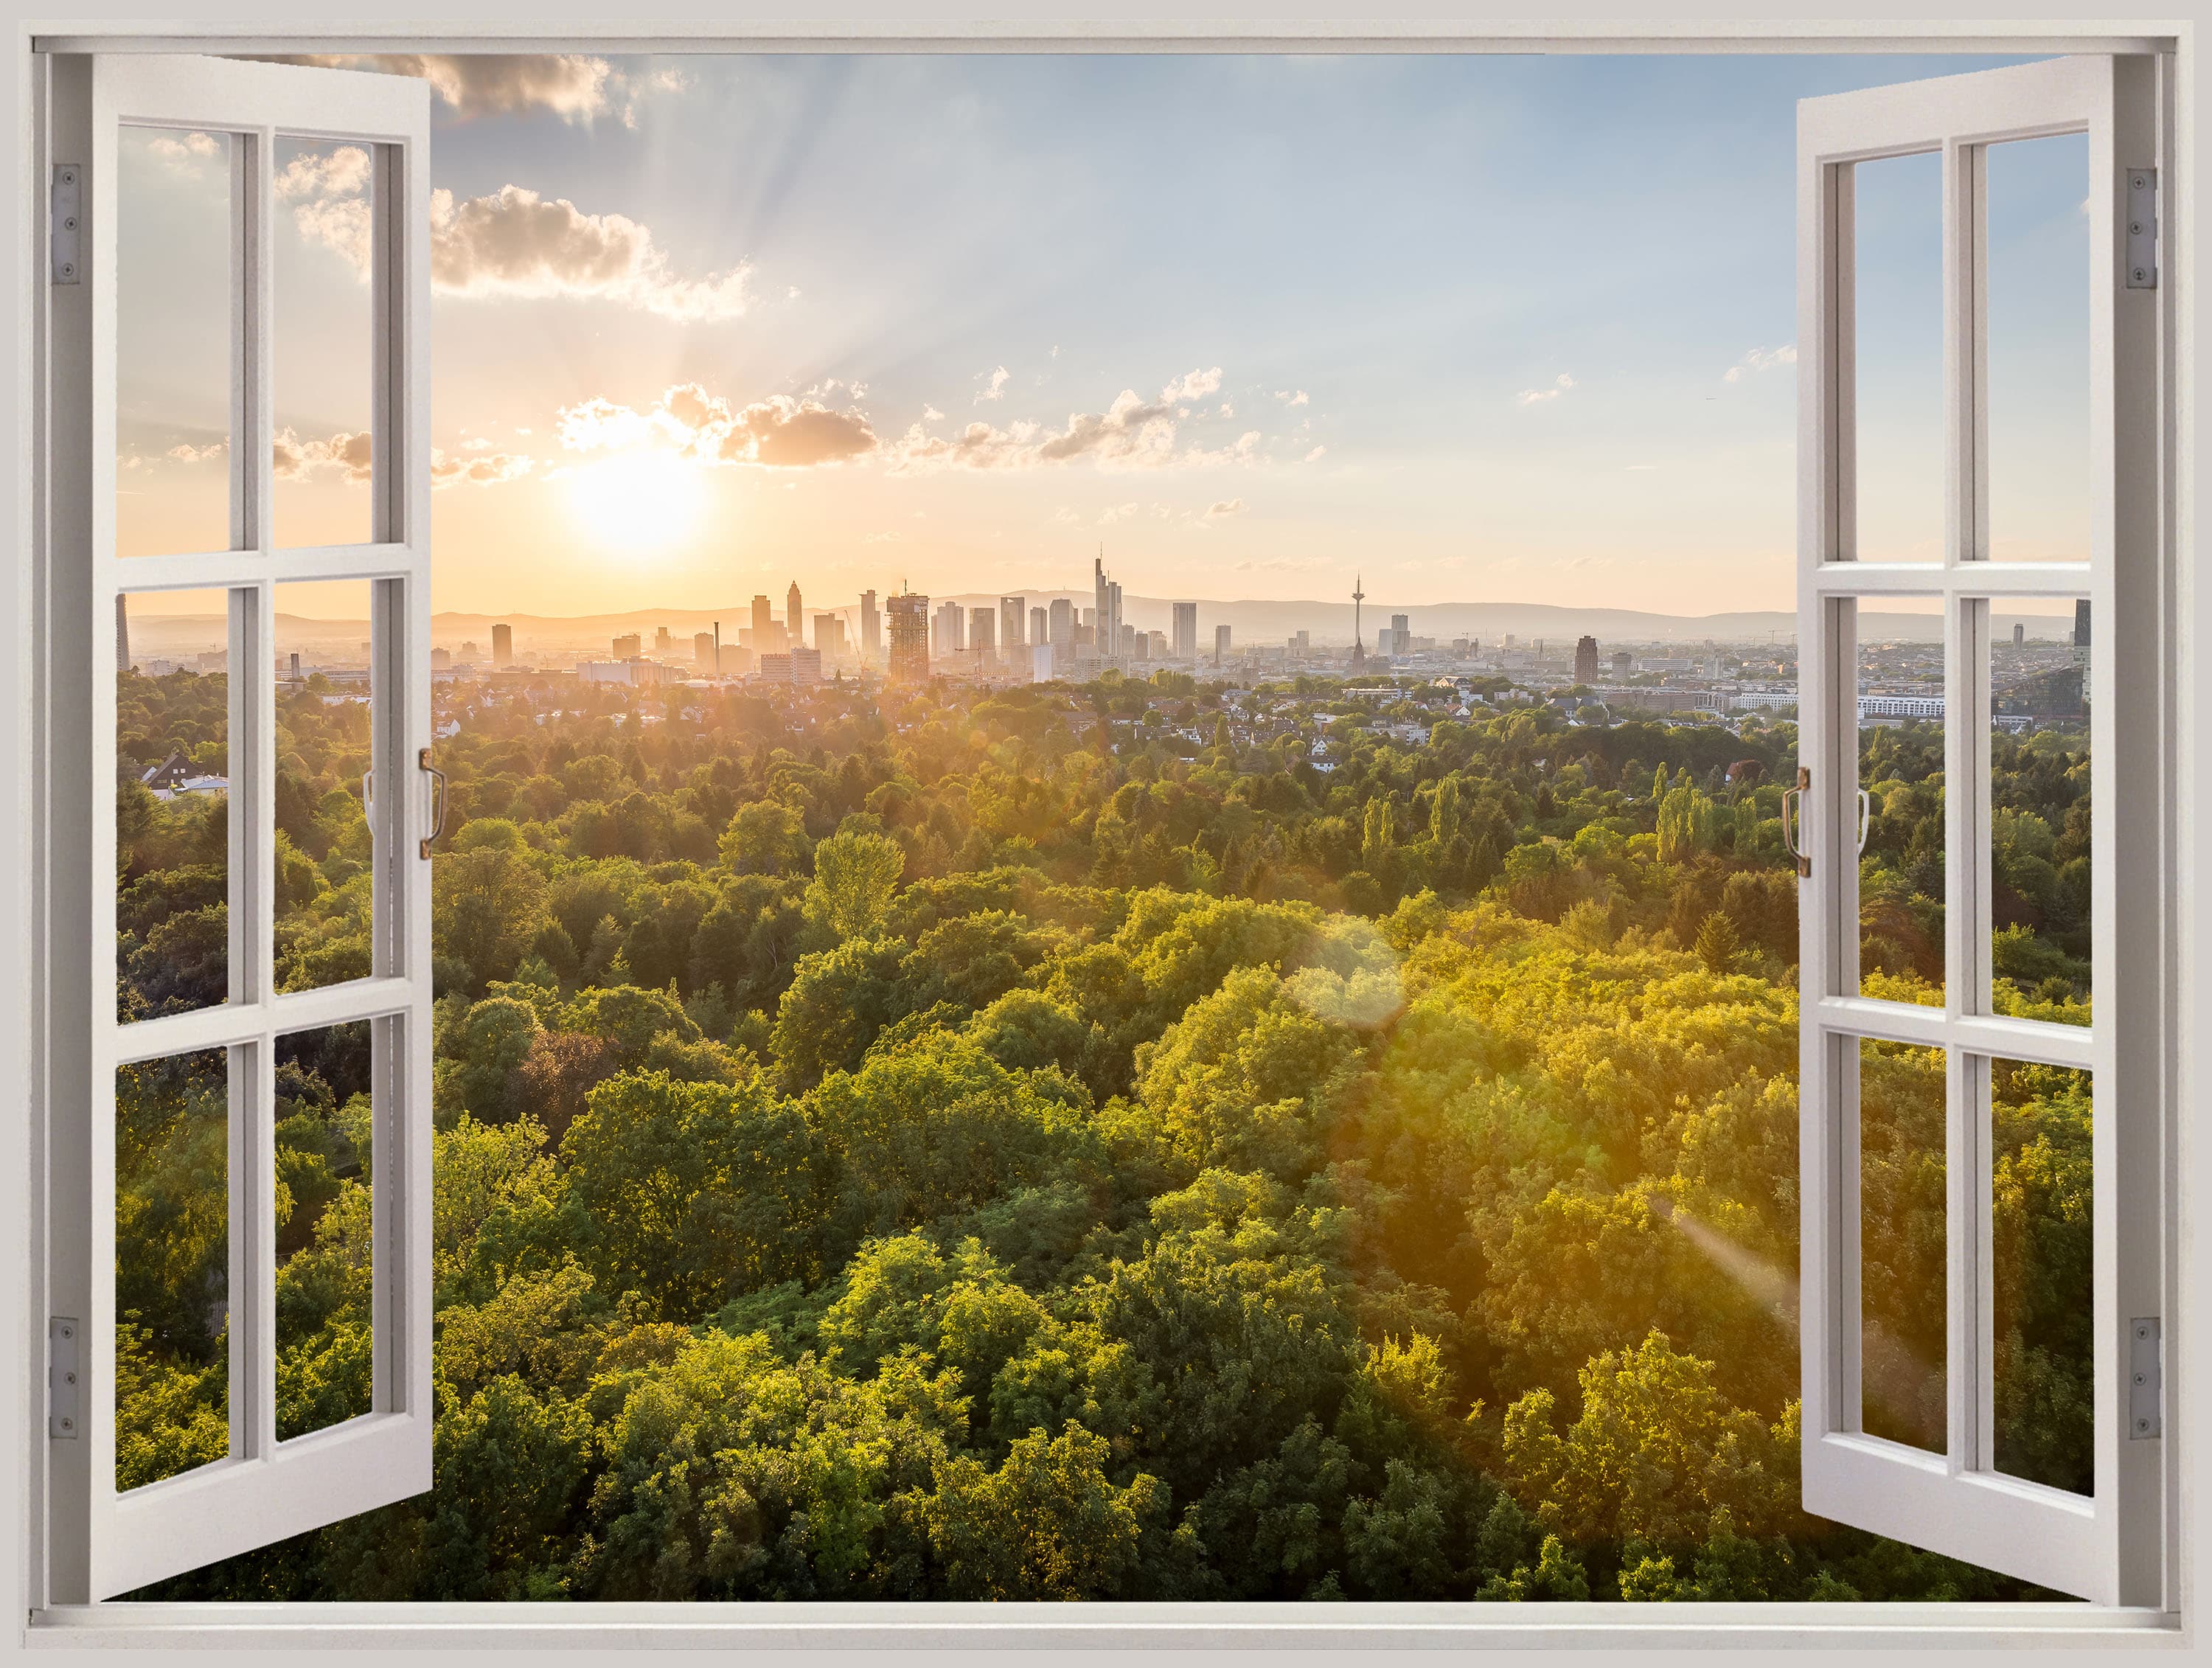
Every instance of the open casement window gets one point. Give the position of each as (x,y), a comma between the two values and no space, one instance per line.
(1983,1395)
(239,1131)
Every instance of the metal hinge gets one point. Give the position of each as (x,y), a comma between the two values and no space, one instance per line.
(66,206)
(2143,228)
(64,1378)
(2146,1380)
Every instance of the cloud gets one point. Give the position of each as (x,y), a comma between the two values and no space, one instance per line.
(780,432)
(1066,516)
(931,414)
(1227,409)
(1761,359)
(185,155)
(342,454)
(1290,398)
(996,390)
(571,85)
(880,538)
(1536,396)
(1194,385)
(340,173)
(512,242)
(1114,513)
(1314,456)
(478,469)
(1222,508)
(188,454)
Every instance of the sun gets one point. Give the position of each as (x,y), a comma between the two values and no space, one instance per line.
(642,501)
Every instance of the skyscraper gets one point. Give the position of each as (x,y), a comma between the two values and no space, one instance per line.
(661,641)
(1107,597)
(829,637)
(1014,616)
(1040,627)
(1220,644)
(871,627)
(763,617)
(1185,631)
(1586,660)
(950,629)
(2082,623)
(982,624)
(703,651)
(793,619)
(1063,625)
(909,638)
(502,645)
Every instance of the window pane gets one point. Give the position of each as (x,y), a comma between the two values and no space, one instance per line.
(2038,202)
(172,1266)
(172,803)
(1901,879)
(2042,1277)
(1898,298)
(172,340)
(1901,1242)
(2039,786)
(324,881)
(325,1264)
(323,331)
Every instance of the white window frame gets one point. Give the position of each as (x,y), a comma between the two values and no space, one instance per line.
(103,1542)
(1633,26)
(1957,1502)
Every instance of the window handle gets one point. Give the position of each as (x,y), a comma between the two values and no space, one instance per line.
(1866,818)
(1793,821)
(438,797)
(369,794)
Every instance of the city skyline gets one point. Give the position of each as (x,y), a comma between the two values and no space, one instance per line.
(897,323)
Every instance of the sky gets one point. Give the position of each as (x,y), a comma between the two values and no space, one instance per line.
(1510,329)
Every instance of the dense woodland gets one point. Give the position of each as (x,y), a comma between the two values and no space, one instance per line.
(1062,1143)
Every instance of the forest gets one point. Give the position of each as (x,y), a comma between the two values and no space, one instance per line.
(1101,1141)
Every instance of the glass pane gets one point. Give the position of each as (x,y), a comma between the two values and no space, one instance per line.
(1898,338)
(172,1266)
(2038,197)
(172,803)
(1901,1242)
(325,876)
(2042,1277)
(2040,888)
(324,1240)
(324,337)
(1901,879)
(173,341)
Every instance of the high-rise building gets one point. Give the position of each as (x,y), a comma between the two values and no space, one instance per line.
(703,651)
(871,627)
(1401,628)
(441,660)
(1062,627)
(982,624)
(1014,616)
(1185,631)
(763,617)
(736,660)
(1220,644)
(1623,663)
(2019,635)
(949,629)
(909,646)
(1586,660)
(2082,623)
(1106,630)
(793,621)
(662,643)
(829,637)
(502,645)
(628,646)
(1040,626)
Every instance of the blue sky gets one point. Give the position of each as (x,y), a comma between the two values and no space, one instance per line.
(1541,312)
